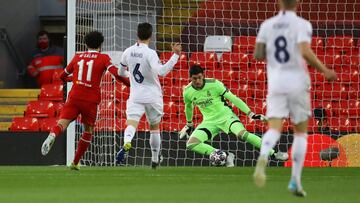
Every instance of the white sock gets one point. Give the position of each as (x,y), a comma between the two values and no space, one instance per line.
(129,133)
(155,143)
(298,156)
(268,141)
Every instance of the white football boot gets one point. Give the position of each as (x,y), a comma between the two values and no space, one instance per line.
(259,174)
(282,156)
(48,143)
(230,158)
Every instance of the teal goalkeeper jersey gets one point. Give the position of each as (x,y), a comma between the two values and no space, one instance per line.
(211,101)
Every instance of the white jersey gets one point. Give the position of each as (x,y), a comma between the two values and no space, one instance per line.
(144,67)
(286,68)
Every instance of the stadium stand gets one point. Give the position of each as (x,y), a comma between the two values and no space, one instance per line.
(237,69)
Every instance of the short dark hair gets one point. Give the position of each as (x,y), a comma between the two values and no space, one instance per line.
(94,39)
(41,33)
(144,31)
(290,3)
(195,69)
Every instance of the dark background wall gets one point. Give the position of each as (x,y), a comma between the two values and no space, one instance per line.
(23,148)
(22,21)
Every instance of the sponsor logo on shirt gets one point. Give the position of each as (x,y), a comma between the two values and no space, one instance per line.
(204,103)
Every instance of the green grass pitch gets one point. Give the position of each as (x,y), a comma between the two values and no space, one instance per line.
(172,184)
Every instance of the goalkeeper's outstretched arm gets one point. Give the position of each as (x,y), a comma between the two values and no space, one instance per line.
(240,104)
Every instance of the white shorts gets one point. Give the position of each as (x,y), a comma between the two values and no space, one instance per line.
(296,105)
(153,111)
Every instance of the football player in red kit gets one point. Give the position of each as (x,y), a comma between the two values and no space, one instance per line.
(86,68)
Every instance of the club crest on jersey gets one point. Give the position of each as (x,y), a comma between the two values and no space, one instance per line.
(208,93)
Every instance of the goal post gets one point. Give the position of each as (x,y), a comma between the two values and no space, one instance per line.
(70,44)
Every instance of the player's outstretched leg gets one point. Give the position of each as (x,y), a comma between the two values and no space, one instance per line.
(257,142)
(195,145)
(129,134)
(200,148)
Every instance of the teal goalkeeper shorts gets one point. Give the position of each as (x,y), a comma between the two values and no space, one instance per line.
(208,130)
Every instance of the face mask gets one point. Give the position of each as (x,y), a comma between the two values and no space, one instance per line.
(43,45)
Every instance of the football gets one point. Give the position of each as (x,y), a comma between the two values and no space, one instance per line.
(218,158)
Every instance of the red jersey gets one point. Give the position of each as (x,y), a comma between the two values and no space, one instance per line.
(87,68)
(44,64)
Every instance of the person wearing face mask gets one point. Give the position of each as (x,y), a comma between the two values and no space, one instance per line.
(46,60)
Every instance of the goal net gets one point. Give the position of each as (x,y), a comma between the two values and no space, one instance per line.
(220,36)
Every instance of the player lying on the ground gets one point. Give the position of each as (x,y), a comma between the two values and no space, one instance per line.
(209,96)
(145,91)
(285,42)
(87,69)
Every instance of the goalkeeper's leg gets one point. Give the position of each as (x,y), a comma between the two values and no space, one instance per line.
(199,136)
(196,143)
(203,132)
(238,129)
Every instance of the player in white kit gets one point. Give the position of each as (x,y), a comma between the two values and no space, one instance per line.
(146,96)
(284,41)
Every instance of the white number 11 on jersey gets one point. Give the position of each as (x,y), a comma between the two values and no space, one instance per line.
(89,70)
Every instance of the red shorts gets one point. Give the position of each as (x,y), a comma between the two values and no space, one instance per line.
(73,108)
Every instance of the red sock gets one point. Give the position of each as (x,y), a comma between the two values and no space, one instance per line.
(83,144)
(57,130)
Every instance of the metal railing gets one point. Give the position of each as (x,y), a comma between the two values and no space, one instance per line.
(19,61)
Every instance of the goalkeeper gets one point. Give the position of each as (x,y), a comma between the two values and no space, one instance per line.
(209,95)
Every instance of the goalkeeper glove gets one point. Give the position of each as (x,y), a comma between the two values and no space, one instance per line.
(187,130)
(254,116)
